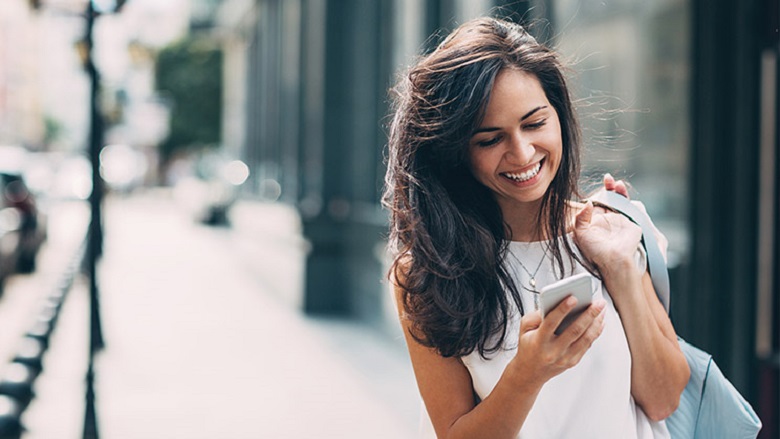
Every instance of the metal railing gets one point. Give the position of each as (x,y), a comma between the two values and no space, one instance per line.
(18,377)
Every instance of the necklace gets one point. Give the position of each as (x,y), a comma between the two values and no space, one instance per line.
(532,280)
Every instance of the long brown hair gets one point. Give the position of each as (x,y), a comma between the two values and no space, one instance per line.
(446,229)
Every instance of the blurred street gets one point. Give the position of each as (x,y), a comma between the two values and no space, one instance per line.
(200,340)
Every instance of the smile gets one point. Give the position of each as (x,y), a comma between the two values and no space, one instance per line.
(524,176)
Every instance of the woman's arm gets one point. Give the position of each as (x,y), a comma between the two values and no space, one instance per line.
(659,371)
(447,390)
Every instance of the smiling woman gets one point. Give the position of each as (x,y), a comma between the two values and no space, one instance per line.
(485,211)
(516,152)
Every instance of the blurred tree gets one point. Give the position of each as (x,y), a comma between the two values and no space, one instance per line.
(189,72)
(53,129)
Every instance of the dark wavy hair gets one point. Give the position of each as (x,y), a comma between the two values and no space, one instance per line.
(446,229)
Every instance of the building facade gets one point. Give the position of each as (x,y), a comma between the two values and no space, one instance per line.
(21,102)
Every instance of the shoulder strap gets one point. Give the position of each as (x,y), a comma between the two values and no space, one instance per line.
(655,260)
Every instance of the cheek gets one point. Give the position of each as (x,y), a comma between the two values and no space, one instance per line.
(554,147)
(557,162)
(482,163)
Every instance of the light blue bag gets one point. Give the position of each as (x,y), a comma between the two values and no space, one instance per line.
(710,407)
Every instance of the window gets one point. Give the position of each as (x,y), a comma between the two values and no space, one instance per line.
(631,62)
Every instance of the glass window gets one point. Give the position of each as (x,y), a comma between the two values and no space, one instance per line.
(631,68)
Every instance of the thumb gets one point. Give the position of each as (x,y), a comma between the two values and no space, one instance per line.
(583,218)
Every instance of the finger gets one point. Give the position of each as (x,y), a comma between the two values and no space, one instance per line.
(594,330)
(609,182)
(554,318)
(584,216)
(620,188)
(597,195)
(530,321)
(577,350)
(580,326)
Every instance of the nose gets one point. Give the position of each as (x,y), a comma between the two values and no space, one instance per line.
(521,150)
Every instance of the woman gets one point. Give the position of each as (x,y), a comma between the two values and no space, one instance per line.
(481,183)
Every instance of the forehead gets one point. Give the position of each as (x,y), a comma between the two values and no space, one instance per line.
(514,90)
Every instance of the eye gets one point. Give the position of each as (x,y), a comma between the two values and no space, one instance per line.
(489,142)
(536,125)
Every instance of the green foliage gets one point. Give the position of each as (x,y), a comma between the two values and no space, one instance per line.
(52,130)
(190,74)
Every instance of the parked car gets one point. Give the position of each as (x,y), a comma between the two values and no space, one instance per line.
(213,187)
(10,222)
(31,224)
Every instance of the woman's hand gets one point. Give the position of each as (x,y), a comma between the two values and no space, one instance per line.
(541,354)
(659,371)
(609,240)
(611,185)
(615,186)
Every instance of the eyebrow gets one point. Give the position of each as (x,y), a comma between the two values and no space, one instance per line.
(526,116)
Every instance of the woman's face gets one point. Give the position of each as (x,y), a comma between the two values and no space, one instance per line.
(517,149)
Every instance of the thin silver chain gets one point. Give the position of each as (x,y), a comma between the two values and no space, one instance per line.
(532,280)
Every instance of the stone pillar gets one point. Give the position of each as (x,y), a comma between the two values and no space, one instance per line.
(345,82)
(716,306)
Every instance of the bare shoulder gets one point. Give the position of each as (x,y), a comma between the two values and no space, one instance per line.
(444,382)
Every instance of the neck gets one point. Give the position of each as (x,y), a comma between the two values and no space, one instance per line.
(522,220)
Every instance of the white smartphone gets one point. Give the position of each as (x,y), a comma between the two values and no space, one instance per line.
(579,286)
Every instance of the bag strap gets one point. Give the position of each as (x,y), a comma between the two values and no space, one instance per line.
(655,260)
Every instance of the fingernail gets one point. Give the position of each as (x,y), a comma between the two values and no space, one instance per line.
(571,301)
(601,303)
(608,175)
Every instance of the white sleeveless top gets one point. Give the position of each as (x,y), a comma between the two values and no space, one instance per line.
(592,399)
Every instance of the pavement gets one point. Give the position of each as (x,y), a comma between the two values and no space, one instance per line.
(204,339)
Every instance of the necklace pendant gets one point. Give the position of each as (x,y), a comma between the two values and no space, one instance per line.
(536,301)
(532,282)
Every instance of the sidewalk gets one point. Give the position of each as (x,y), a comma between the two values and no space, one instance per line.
(198,345)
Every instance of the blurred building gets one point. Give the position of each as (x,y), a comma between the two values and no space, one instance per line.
(126,47)
(677,96)
(42,73)
(21,106)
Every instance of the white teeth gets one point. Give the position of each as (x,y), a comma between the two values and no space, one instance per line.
(527,175)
